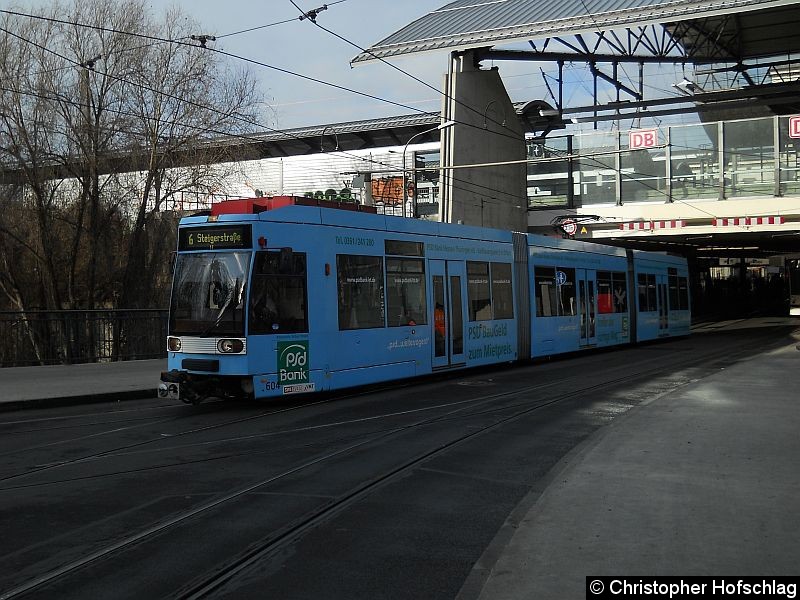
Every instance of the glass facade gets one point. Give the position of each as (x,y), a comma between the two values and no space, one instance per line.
(694,161)
(749,155)
(788,159)
(596,176)
(549,181)
(427,183)
(643,176)
(751,158)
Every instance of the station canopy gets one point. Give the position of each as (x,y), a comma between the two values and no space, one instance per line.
(726,30)
(743,58)
(744,55)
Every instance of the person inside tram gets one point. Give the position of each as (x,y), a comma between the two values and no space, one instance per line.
(439,328)
(263,310)
(438,319)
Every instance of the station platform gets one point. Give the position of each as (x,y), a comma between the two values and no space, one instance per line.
(704,480)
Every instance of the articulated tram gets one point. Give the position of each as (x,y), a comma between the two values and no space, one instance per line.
(286,295)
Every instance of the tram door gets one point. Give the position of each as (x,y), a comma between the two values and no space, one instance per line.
(447,282)
(587,306)
(663,307)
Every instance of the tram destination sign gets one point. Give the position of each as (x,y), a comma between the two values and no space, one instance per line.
(218,237)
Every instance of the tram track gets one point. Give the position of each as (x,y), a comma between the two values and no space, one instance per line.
(8,426)
(328,398)
(122,451)
(290,532)
(161,436)
(280,538)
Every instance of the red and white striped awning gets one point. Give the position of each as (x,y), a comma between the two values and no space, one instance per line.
(674,224)
(636,226)
(747,221)
(651,225)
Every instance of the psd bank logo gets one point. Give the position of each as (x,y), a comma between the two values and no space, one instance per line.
(293,362)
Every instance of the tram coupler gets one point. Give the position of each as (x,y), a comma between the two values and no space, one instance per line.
(170,385)
(180,385)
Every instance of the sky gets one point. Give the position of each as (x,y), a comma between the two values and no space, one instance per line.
(302,47)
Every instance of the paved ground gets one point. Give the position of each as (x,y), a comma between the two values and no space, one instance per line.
(700,481)
(63,384)
(703,481)
(100,382)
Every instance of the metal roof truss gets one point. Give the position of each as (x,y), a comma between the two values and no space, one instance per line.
(709,44)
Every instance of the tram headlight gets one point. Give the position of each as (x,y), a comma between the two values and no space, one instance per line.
(230,346)
(174,344)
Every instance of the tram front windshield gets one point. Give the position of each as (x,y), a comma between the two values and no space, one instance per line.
(209,293)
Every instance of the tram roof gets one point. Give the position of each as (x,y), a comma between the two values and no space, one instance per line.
(553,242)
(465,24)
(306,213)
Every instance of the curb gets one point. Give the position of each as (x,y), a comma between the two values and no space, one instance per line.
(77,400)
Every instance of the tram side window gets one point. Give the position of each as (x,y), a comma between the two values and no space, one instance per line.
(405,292)
(478,294)
(683,293)
(278,297)
(545,283)
(605,293)
(647,292)
(611,292)
(619,281)
(360,291)
(555,291)
(672,281)
(566,291)
(502,291)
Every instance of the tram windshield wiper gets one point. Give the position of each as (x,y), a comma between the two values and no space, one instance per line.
(232,292)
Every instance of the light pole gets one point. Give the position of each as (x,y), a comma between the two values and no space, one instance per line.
(441,126)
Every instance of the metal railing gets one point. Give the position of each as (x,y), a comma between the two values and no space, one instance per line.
(80,336)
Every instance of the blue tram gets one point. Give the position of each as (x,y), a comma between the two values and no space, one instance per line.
(285,295)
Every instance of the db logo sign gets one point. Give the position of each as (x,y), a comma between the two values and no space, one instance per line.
(642,138)
(794,127)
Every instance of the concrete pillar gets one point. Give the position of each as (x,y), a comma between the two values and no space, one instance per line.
(486,131)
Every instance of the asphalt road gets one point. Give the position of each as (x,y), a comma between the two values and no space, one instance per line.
(395,493)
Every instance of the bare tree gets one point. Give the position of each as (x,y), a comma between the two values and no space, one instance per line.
(184,96)
(28,141)
(99,126)
(31,141)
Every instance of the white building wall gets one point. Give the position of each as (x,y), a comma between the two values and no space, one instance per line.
(298,175)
